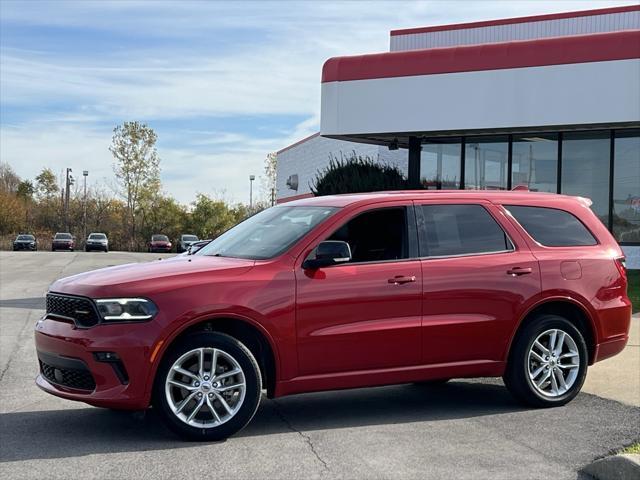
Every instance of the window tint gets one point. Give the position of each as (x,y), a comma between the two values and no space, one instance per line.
(97,236)
(552,227)
(377,235)
(460,230)
(63,236)
(159,238)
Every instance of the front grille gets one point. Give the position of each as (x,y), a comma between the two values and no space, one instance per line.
(81,310)
(68,377)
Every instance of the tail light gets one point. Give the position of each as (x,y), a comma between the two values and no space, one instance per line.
(622,266)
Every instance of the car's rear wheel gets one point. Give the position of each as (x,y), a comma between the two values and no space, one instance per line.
(548,362)
(208,387)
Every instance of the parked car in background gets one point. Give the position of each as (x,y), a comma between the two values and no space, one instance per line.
(97,241)
(185,242)
(159,244)
(341,292)
(25,242)
(63,241)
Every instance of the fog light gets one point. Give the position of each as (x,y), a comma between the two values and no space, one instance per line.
(106,356)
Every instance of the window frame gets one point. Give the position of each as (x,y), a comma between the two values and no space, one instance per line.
(542,245)
(422,243)
(411,231)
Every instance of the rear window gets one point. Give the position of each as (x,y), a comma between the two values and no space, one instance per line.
(460,230)
(552,227)
(189,238)
(159,238)
(63,236)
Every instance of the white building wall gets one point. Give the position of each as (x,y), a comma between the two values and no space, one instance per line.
(532,30)
(309,157)
(572,94)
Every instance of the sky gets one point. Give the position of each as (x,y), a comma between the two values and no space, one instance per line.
(222,83)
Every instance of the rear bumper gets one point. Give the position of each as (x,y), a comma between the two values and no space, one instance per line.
(608,349)
(60,345)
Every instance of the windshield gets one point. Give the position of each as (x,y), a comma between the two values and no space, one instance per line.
(26,237)
(189,238)
(97,236)
(159,238)
(268,233)
(63,236)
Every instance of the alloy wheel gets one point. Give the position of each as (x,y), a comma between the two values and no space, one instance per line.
(205,387)
(553,363)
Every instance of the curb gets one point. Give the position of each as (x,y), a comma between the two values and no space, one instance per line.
(616,467)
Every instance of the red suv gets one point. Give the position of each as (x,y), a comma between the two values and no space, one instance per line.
(341,292)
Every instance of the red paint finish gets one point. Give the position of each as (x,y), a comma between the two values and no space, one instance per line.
(597,47)
(512,21)
(348,325)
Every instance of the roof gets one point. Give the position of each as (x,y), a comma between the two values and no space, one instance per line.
(496,196)
(516,20)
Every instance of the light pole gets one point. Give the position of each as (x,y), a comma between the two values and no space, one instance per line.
(85,173)
(251,179)
(68,183)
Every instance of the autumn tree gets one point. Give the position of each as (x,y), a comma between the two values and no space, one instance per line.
(136,167)
(46,183)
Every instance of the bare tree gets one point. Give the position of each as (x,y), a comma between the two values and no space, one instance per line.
(137,167)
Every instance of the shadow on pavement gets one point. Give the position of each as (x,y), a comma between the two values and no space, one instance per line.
(85,431)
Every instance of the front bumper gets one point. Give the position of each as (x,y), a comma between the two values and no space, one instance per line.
(95,246)
(64,350)
(62,246)
(24,246)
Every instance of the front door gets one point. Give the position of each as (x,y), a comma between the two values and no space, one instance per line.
(364,314)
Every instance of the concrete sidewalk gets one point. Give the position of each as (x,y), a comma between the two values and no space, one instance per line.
(618,378)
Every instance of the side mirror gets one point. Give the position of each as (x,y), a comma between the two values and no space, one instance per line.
(329,252)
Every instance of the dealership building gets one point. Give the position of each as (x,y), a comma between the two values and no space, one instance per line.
(551,102)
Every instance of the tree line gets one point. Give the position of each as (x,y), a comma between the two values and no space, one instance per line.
(129,212)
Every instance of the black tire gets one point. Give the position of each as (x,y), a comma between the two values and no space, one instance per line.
(516,377)
(106,250)
(253,386)
(86,250)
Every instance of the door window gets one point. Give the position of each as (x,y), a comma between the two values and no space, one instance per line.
(450,230)
(377,235)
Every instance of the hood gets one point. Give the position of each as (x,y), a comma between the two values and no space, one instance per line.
(144,279)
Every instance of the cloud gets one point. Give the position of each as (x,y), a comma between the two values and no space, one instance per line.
(70,71)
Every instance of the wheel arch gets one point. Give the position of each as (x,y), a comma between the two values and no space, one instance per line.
(253,336)
(566,307)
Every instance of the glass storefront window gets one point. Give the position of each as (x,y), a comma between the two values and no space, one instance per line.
(485,164)
(585,168)
(626,186)
(535,162)
(440,164)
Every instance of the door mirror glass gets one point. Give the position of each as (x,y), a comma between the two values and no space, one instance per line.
(329,252)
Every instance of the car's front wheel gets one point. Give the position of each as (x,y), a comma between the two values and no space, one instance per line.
(208,386)
(548,362)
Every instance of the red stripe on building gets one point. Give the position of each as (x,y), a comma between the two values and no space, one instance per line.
(596,47)
(511,21)
(294,197)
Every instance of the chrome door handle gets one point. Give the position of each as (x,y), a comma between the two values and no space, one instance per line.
(400,279)
(517,271)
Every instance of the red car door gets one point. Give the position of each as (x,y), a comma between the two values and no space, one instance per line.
(365,314)
(478,278)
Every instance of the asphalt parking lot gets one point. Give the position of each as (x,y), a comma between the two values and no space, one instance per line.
(465,429)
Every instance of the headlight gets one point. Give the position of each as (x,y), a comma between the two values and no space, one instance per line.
(126,309)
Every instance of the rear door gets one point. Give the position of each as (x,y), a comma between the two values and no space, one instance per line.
(477,279)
